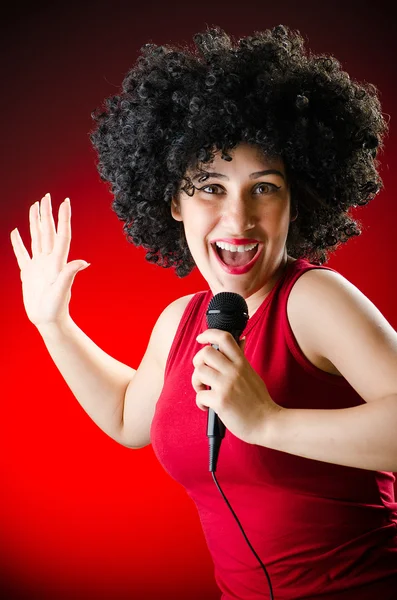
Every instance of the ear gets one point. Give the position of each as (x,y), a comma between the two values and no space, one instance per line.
(294,209)
(175,210)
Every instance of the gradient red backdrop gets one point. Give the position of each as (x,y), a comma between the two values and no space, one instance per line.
(81,516)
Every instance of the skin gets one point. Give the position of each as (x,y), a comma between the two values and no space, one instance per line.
(239,207)
(331,318)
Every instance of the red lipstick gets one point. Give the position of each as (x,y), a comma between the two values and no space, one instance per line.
(236,241)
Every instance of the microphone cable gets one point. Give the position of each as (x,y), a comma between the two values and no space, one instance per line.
(245,537)
(227,311)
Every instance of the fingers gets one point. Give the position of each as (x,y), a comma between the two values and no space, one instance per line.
(204,376)
(64,231)
(42,226)
(44,237)
(210,365)
(47,228)
(22,255)
(211,357)
(224,340)
(34,225)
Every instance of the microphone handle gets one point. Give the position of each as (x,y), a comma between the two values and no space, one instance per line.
(215,427)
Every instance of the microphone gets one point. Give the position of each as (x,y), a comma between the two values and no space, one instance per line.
(229,312)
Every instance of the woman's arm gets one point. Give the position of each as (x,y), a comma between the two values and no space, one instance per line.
(119,399)
(363,436)
(339,323)
(98,381)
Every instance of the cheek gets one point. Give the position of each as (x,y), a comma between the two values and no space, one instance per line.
(274,217)
(282,213)
(198,225)
(198,233)
(276,220)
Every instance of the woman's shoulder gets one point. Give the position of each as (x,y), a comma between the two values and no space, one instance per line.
(177,307)
(168,323)
(173,312)
(301,292)
(337,322)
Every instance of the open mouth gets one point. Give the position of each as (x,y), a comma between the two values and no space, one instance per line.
(235,259)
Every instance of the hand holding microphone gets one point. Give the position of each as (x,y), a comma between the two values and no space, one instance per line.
(237,394)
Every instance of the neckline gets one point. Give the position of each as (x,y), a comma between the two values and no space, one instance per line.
(261,308)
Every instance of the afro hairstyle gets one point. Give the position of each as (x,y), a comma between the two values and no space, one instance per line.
(180,105)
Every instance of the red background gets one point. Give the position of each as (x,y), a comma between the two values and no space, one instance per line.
(81,516)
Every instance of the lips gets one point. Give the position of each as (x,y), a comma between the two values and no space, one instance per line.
(238,270)
(236,241)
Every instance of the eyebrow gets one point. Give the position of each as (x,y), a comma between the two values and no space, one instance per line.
(252,176)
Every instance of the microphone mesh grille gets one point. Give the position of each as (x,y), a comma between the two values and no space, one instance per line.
(232,315)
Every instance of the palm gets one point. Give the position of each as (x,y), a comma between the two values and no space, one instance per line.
(46,278)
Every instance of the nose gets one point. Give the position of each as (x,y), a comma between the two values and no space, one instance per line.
(239,215)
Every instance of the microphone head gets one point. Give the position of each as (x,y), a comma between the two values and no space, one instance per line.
(227,311)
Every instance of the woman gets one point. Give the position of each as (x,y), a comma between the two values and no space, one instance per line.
(243,158)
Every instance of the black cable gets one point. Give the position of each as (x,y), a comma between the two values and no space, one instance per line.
(226,311)
(246,539)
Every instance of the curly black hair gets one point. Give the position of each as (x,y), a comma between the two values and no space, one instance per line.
(179,105)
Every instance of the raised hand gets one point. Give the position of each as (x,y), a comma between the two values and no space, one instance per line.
(47,277)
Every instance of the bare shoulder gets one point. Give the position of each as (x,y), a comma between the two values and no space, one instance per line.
(334,322)
(301,310)
(166,327)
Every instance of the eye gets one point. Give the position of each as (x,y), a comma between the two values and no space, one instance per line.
(206,187)
(216,189)
(270,186)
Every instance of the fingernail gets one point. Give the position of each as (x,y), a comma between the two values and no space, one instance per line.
(67,200)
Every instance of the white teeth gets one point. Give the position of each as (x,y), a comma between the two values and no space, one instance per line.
(232,248)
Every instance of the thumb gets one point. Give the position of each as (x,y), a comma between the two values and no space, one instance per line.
(69,272)
(82,266)
(66,277)
(242,343)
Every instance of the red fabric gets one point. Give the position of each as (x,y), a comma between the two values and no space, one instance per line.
(323,531)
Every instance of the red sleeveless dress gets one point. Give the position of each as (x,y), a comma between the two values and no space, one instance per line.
(323,531)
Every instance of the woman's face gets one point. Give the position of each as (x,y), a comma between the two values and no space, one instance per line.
(245,200)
